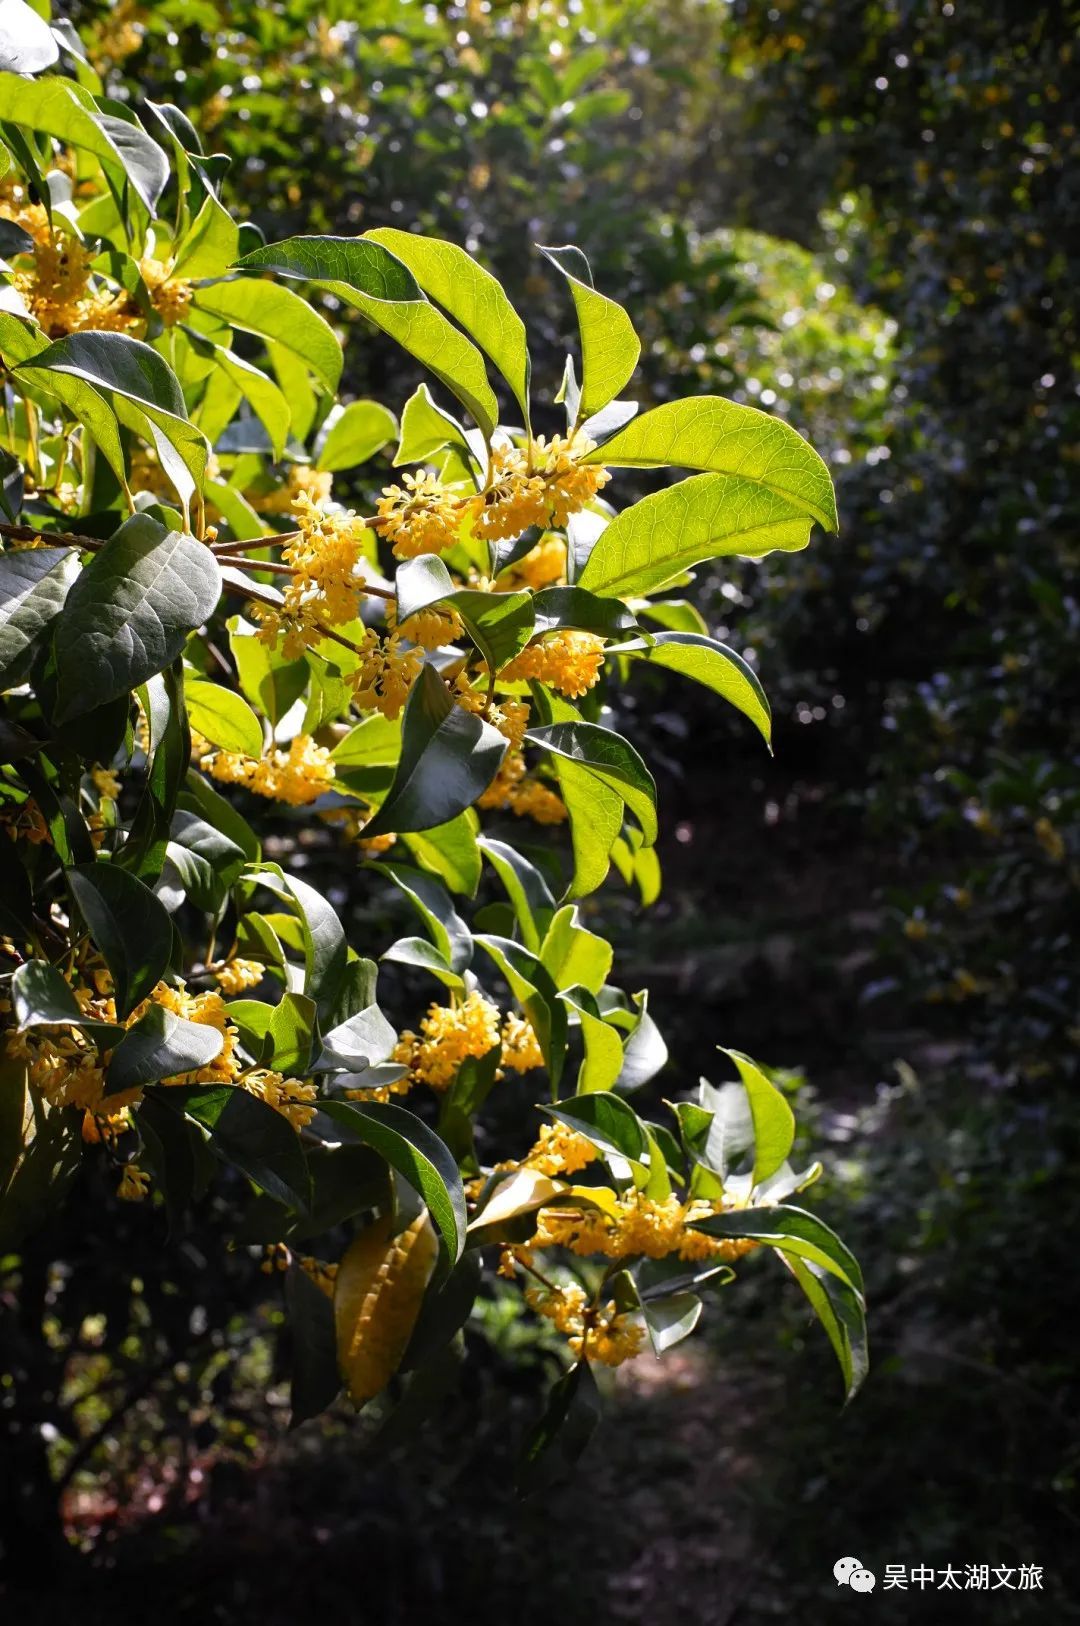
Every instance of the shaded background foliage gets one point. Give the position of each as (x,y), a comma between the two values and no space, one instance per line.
(866,218)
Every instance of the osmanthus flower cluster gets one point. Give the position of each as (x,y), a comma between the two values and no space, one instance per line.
(223,688)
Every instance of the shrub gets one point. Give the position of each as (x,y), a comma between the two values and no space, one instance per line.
(219,683)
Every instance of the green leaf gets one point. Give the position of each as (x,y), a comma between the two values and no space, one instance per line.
(373,743)
(706,517)
(426,428)
(449,756)
(668,1321)
(421,955)
(794,1231)
(609,346)
(603,1058)
(644,1053)
(201,797)
(607,757)
(13,1102)
(169,753)
(725,438)
(716,667)
(364,1039)
(532,987)
(210,247)
(251,1136)
(176,1155)
(316,1381)
(435,907)
(129,613)
(34,583)
(473,298)
(160,1045)
(639,866)
(473,1084)
(326,951)
(41,1181)
(26,41)
(41,997)
(223,717)
(67,827)
(366,276)
(354,433)
(605,1119)
(18,343)
(569,1421)
(841,1312)
(134,375)
(275,313)
(269,681)
(500,624)
(291,1030)
(59,108)
(773,1119)
(574,607)
(525,887)
(417,1153)
(595,809)
(450,851)
(575,955)
(129,925)
(443,1313)
(261,393)
(676,615)
(234,508)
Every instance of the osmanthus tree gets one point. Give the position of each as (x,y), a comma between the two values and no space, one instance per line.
(200,648)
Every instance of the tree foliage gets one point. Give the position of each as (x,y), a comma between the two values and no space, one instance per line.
(212,669)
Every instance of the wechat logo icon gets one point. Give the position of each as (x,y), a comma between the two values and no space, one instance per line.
(850,1572)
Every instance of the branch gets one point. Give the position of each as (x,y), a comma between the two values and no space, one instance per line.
(63,539)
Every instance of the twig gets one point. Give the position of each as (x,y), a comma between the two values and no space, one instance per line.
(63,539)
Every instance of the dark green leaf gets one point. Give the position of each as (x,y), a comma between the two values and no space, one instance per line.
(716,667)
(34,583)
(574,607)
(448,758)
(42,997)
(417,1153)
(42,1179)
(531,985)
(161,1045)
(315,1378)
(252,1137)
(499,624)
(129,925)
(526,888)
(839,1308)
(568,1423)
(794,1231)
(606,756)
(606,1120)
(129,613)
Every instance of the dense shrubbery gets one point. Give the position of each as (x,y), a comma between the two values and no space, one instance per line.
(921,332)
(185,1011)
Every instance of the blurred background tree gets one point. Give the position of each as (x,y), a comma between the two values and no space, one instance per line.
(864,217)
